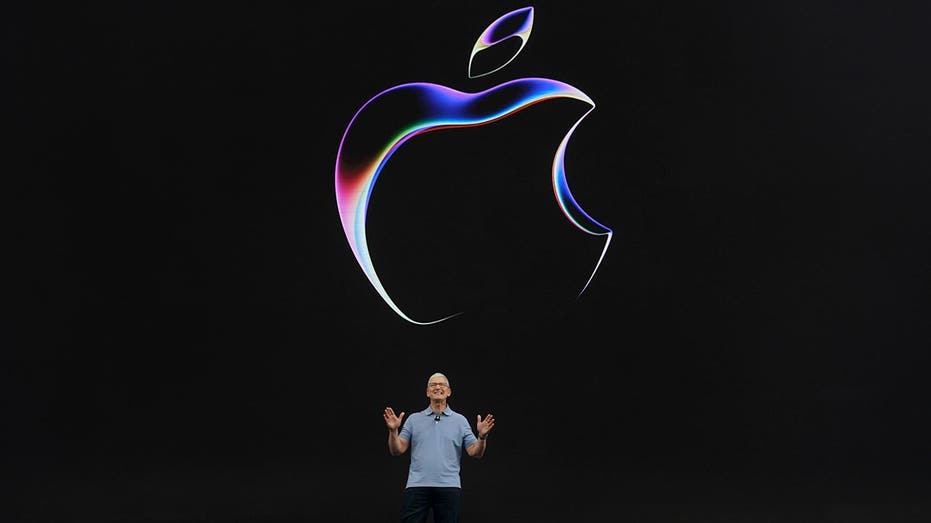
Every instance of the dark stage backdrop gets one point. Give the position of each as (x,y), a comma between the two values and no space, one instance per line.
(190,338)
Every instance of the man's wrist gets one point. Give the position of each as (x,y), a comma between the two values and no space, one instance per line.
(483,438)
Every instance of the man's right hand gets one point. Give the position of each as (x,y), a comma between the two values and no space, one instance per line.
(392,421)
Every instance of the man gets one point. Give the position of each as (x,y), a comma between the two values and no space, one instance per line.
(436,437)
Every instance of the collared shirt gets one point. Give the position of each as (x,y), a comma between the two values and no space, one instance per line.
(436,447)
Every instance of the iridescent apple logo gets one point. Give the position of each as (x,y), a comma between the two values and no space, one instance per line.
(375,133)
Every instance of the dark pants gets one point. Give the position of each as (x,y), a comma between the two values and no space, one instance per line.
(446,503)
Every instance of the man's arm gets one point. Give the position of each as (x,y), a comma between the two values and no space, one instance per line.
(477,449)
(397,445)
(482,428)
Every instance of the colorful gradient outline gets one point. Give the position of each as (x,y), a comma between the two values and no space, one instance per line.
(369,142)
(493,36)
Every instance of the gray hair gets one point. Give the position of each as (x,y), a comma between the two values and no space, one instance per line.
(438,374)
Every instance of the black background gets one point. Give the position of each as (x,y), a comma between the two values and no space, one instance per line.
(189,338)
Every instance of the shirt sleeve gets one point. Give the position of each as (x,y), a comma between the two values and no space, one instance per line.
(468,438)
(405,432)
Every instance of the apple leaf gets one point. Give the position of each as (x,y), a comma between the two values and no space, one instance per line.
(512,26)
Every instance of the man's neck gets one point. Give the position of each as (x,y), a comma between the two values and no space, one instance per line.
(438,405)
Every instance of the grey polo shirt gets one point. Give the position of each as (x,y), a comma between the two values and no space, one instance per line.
(436,447)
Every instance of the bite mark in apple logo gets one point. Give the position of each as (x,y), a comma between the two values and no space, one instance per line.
(374,133)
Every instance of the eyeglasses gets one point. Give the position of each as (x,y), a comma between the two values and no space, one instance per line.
(431,385)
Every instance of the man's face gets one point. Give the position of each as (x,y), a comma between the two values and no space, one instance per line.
(438,388)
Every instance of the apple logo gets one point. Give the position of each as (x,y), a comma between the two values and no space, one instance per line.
(396,115)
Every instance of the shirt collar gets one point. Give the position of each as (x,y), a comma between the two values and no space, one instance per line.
(446,412)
